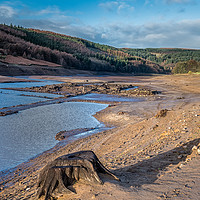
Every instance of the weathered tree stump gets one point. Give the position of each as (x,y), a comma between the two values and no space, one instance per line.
(68,169)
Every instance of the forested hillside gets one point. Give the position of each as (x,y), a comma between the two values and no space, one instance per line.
(186,67)
(77,53)
(165,57)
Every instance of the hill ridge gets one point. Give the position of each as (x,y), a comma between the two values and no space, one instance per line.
(78,53)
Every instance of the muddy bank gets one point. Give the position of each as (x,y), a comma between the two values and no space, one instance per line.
(69,90)
(74,89)
(6,79)
(90,85)
(38,69)
(15,109)
(156,156)
(7,69)
(63,135)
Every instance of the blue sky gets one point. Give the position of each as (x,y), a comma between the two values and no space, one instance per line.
(120,23)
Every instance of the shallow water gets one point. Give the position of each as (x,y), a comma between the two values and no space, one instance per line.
(41,82)
(12,97)
(32,131)
(132,88)
(106,97)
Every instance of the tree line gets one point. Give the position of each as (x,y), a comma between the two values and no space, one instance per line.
(186,67)
(166,56)
(71,52)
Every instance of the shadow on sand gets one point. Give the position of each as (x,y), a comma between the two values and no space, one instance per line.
(147,171)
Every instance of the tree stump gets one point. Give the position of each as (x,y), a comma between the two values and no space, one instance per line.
(64,171)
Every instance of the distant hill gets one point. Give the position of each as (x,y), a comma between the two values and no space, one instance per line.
(77,53)
(166,57)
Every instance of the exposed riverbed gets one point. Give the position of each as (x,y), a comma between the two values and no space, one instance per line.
(13,97)
(155,158)
(33,131)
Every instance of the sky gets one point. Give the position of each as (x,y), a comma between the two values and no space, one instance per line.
(119,23)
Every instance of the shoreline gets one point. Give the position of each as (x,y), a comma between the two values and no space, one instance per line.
(71,137)
(6,79)
(17,108)
(118,151)
(45,137)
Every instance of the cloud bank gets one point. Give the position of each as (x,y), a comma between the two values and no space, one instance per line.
(118,6)
(6,12)
(183,33)
(168,34)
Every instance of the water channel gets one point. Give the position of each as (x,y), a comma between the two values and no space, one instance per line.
(32,131)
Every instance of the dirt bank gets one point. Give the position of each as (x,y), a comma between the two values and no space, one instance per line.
(9,69)
(36,68)
(155,156)
(9,59)
(6,79)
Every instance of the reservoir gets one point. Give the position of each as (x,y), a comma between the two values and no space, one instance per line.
(106,97)
(13,97)
(32,131)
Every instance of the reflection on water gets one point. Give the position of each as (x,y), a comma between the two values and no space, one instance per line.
(32,131)
(13,97)
(132,88)
(106,97)
(28,84)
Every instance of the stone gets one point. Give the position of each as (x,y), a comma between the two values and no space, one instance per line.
(198,151)
(194,148)
(161,113)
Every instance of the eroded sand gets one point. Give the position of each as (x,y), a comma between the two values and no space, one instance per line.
(6,79)
(155,158)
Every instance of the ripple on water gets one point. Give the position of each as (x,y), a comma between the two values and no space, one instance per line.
(106,97)
(32,131)
(13,97)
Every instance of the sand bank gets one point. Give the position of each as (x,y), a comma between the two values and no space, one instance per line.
(155,157)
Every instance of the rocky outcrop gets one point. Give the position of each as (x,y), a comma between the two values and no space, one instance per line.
(74,89)
(65,134)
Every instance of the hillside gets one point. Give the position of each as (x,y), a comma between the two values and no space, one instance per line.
(166,57)
(70,52)
(77,53)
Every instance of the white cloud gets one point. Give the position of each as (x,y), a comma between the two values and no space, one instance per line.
(6,11)
(170,34)
(153,37)
(179,1)
(109,5)
(104,36)
(49,10)
(117,6)
(123,5)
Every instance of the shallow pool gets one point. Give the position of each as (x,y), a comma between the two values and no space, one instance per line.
(33,131)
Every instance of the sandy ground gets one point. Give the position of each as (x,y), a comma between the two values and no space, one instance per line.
(6,79)
(155,157)
(23,61)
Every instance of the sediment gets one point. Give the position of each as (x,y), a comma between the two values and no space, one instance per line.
(154,148)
